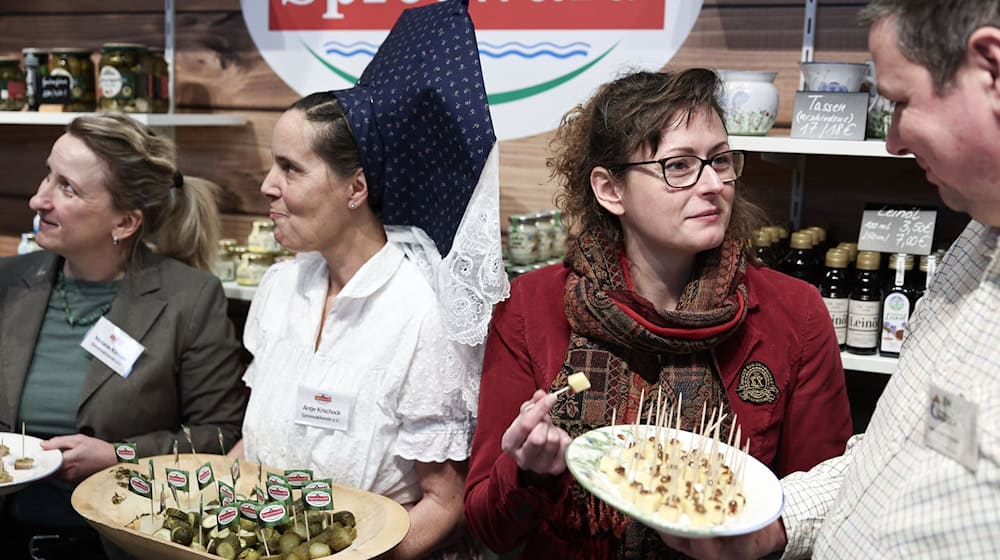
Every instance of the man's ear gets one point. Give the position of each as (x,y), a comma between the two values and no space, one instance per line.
(607,190)
(128,224)
(982,54)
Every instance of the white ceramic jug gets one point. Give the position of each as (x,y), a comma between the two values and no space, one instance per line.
(749,100)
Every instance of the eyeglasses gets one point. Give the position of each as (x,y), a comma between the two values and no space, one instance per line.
(683,172)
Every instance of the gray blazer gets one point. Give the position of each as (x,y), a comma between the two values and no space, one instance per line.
(188,374)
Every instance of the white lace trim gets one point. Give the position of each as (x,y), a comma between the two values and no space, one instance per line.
(471,278)
(435,443)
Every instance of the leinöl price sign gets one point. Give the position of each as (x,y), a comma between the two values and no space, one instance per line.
(897,229)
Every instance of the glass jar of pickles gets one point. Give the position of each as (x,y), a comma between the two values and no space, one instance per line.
(36,66)
(159,81)
(124,78)
(261,238)
(522,240)
(224,265)
(252,267)
(546,231)
(76,65)
(12,86)
(559,235)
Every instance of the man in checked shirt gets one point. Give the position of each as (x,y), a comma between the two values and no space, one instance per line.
(924,481)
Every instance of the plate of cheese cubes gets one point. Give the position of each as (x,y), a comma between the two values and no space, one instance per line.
(675,481)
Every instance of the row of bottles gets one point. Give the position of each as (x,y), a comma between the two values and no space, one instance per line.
(871,315)
(799,255)
(870,311)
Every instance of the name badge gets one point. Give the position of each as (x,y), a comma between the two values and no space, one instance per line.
(951,427)
(323,409)
(112,346)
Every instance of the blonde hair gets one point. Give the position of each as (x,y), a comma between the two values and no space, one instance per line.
(180,217)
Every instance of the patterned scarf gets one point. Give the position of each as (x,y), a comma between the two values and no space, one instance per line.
(626,347)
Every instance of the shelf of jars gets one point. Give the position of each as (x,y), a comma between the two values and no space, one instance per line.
(148,119)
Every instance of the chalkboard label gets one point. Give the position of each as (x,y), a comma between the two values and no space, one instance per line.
(830,116)
(54,90)
(897,229)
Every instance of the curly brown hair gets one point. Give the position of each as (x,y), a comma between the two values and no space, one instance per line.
(624,116)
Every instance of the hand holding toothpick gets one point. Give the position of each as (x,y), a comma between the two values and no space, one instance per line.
(577,382)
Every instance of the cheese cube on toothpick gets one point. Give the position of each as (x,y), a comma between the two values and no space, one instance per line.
(578,382)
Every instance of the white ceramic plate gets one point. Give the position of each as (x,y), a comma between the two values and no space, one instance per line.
(46,462)
(761,488)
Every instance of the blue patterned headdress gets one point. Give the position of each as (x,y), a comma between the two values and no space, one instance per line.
(421,120)
(423,129)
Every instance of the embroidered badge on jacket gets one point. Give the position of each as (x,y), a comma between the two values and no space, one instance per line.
(757,384)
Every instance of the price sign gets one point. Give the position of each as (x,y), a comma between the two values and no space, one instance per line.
(897,229)
(830,116)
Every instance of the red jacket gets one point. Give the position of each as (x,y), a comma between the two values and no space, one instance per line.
(787,328)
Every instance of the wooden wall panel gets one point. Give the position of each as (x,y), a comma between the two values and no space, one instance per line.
(219,69)
(113,6)
(23,151)
(753,38)
(15,216)
(8,244)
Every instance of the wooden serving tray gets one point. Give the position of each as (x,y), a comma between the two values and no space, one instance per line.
(381,523)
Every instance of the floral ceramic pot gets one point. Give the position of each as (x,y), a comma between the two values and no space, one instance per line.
(750,101)
(833,76)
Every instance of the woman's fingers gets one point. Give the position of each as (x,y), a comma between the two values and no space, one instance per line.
(532,413)
(543,450)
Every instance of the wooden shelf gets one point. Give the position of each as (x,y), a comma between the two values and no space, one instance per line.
(235,291)
(788,145)
(870,364)
(148,119)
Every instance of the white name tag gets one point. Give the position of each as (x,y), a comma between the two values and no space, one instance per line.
(951,427)
(323,409)
(112,346)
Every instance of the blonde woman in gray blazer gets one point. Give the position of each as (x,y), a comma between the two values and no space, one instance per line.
(112,190)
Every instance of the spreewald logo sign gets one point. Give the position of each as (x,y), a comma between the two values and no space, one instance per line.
(539,57)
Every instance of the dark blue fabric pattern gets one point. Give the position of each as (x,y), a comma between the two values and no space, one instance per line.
(421,120)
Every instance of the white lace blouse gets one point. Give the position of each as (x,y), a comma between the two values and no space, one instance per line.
(415,391)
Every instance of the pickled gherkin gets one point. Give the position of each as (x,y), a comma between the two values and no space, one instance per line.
(328,531)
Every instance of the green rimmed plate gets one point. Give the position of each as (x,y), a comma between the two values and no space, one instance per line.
(760,487)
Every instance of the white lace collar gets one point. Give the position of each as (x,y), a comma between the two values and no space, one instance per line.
(471,278)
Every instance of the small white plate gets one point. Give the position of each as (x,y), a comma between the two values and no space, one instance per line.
(46,462)
(760,487)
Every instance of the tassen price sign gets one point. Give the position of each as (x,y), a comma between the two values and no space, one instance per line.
(539,57)
(830,116)
(897,229)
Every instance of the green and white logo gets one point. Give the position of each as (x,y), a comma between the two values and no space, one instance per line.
(539,57)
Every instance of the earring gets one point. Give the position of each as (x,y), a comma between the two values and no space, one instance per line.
(114,240)
(352,205)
